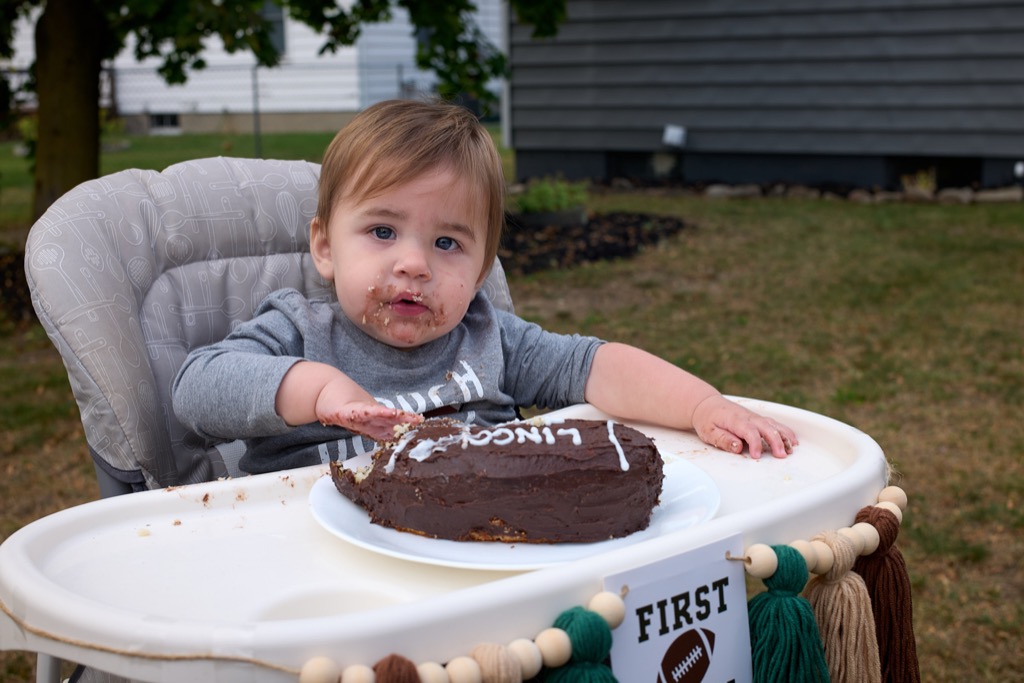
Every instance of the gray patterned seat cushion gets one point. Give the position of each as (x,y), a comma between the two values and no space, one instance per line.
(130,271)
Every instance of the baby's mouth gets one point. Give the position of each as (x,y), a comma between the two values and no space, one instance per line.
(409,303)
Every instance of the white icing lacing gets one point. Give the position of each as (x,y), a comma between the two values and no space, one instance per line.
(623,463)
(501,435)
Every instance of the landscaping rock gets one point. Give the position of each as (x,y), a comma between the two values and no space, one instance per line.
(955,195)
(1003,194)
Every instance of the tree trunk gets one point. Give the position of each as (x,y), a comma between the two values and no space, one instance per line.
(68,61)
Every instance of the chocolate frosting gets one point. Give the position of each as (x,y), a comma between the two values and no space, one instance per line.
(573,481)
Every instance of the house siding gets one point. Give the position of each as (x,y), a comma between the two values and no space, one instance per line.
(872,86)
(306,91)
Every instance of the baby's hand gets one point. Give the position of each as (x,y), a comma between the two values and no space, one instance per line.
(343,403)
(374,420)
(728,425)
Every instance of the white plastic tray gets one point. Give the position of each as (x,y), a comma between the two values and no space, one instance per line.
(235,580)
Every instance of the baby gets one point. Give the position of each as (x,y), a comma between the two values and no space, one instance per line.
(409,216)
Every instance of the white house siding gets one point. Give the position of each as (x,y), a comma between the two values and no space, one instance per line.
(304,83)
(387,54)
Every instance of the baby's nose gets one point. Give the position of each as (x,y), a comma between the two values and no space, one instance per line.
(413,262)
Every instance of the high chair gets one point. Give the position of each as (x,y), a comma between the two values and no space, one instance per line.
(131,271)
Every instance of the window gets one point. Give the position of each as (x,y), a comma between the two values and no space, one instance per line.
(164,123)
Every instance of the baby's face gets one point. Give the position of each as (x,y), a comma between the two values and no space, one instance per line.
(405,263)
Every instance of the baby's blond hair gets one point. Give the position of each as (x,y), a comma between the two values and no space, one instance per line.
(395,141)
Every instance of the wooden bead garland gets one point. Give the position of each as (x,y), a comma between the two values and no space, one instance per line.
(610,606)
(555,647)
(523,659)
(825,557)
(320,670)
(894,494)
(463,670)
(854,537)
(806,551)
(432,672)
(761,561)
(497,664)
(358,673)
(530,659)
(870,535)
(893,508)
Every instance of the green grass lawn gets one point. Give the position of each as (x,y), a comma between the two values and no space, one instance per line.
(156,152)
(903,320)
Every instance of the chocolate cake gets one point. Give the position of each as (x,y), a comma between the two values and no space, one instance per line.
(571,481)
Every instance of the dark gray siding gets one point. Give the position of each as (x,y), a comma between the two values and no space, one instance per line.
(825,88)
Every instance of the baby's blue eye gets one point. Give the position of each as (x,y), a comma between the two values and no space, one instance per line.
(446,243)
(382,232)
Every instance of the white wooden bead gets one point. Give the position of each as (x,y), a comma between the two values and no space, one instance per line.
(432,672)
(826,558)
(320,670)
(358,673)
(761,561)
(529,656)
(807,551)
(555,647)
(463,670)
(893,494)
(893,508)
(610,606)
(870,535)
(854,537)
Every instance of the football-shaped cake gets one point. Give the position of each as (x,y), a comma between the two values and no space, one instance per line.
(571,481)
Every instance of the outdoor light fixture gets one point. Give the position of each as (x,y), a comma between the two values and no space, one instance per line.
(674,136)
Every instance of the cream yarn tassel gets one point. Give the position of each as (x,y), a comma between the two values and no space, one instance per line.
(842,608)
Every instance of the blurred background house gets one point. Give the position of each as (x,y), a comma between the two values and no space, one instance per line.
(830,93)
(306,92)
(823,92)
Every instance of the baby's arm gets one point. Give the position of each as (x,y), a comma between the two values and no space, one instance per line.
(317,392)
(632,384)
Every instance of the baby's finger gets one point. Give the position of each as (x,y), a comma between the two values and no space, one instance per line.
(780,439)
(386,424)
(722,439)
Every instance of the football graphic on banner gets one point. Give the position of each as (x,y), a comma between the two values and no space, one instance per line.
(688,658)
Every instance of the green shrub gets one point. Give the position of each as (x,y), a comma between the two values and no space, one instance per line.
(549,195)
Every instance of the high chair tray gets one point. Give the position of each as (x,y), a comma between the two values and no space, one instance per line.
(236,580)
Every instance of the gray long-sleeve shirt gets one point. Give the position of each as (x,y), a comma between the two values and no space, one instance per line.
(490,363)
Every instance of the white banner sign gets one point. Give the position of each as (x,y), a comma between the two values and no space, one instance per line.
(686,619)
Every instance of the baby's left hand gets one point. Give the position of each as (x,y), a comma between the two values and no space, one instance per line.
(728,425)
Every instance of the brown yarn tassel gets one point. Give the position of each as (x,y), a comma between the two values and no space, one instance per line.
(842,609)
(396,669)
(885,574)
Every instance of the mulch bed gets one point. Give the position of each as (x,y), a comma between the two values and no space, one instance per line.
(14,296)
(603,236)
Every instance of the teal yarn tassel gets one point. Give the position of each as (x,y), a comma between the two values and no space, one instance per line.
(785,643)
(591,640)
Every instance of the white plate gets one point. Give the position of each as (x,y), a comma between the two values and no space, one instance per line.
(689,496)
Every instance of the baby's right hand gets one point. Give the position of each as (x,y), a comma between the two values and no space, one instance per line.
(371,419)
(343,403)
